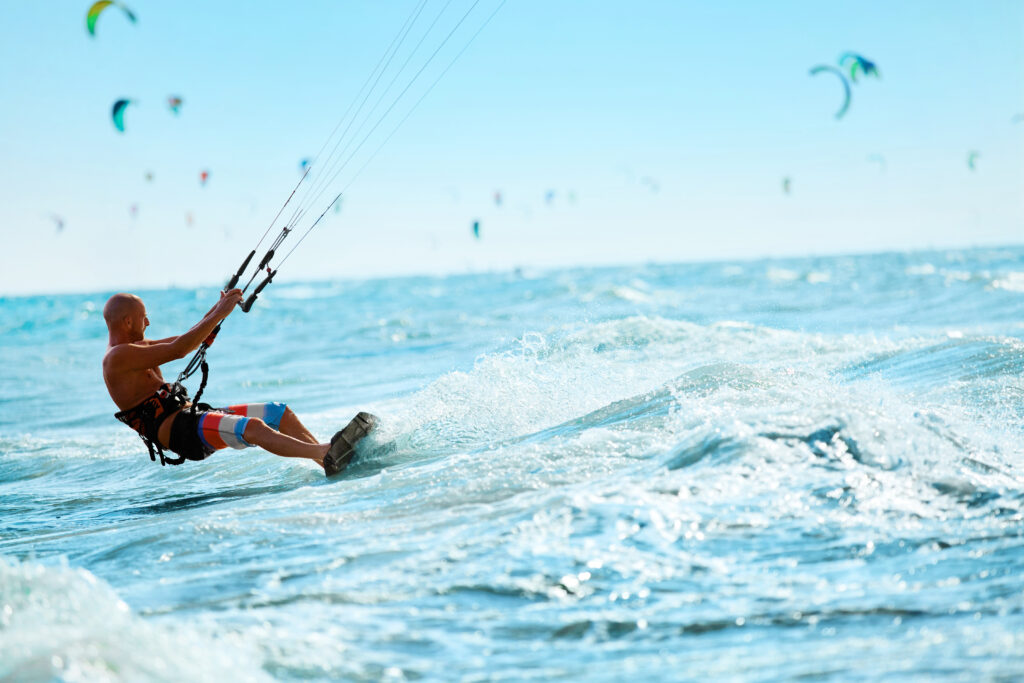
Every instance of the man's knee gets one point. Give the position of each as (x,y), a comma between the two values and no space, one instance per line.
(254,429)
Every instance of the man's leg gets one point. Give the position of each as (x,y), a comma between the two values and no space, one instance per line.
(291,426)
(258,433)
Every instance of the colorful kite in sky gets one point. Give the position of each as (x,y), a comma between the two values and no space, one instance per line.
(972,157)
(857,65)
(204,175)
(174,103)
(97,8)
(117,113)
(476,229)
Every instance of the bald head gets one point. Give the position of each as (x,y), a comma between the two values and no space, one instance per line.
(119,306)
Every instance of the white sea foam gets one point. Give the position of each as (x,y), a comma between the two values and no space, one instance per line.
(1013,282)
(65,624)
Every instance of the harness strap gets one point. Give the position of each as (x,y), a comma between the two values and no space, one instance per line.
(156,449)
(205,367)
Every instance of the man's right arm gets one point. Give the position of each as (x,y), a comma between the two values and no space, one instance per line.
(142,356)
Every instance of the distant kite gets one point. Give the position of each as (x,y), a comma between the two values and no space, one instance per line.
(188,218)
(337,205)
(785,184)
(972,157)
(846,86)
(549,197)
(476,229)
(204,175)
(858,64)
(97,8)
(117,113)
(149,176)
(879,159)
(134,210)
(174,104)
(497,198)
(58,221)
(304,164)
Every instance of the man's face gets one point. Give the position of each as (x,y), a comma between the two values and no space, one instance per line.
(139,321)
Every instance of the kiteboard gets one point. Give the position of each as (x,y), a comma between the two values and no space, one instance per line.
(343,444)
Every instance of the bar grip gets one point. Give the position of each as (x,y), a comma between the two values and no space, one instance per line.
(234,278)
(266,259)
(252,297)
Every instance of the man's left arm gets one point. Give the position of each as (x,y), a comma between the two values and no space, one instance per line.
(168,340)
(165,340)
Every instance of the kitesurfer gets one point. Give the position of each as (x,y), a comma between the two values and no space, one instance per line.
(162,413)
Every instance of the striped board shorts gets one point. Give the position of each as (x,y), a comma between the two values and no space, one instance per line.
(223,427)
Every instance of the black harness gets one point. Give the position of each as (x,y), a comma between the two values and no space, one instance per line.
(147,417)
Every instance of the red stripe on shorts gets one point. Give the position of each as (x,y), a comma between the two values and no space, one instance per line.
(211,430)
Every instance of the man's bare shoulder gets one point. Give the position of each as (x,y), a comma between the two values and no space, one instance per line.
(117,352)
(144,354)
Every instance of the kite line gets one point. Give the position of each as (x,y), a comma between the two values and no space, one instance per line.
(309,193)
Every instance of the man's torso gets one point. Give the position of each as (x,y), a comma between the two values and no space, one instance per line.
(128,388)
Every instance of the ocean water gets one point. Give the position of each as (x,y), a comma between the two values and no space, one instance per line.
(779,469)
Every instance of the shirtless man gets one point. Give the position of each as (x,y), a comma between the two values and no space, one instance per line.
(161,412)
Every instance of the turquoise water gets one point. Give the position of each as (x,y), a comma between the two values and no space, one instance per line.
(752,470)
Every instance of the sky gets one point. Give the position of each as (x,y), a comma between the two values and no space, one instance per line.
(615,133)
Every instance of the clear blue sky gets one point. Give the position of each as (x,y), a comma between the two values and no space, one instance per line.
(712,101)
